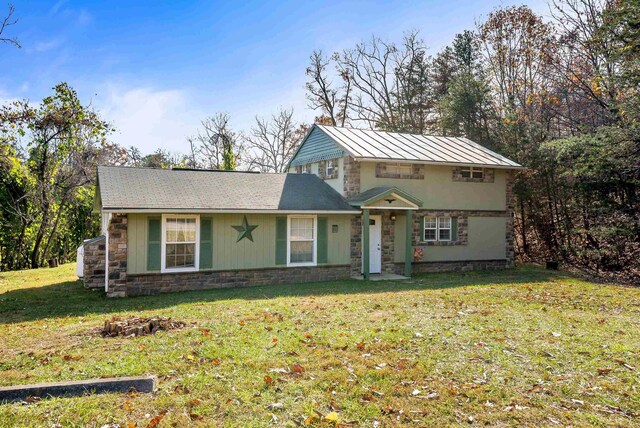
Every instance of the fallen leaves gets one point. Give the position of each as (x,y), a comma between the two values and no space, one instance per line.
(297,368)
(72,358)
(153,423)
(624,364)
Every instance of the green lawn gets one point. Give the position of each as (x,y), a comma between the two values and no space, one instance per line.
(524,347)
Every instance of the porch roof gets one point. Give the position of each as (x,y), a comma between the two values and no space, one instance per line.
(369,197)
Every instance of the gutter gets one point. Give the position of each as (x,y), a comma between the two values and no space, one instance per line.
(422,162)
(210,211)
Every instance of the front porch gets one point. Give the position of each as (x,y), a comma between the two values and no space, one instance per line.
(376,256)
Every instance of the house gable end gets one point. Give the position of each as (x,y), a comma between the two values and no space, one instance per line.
(315,147)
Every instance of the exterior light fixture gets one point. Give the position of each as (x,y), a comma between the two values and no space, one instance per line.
(393,216)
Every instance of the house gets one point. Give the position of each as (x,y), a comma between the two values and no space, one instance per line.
(355,203)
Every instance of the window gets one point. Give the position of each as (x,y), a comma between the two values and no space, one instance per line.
(430,229)
(437,228)
(444,228)
(472,172)
(302,240)
(401,169)
(180,243)
(332,166)
(404,169)
(307,169)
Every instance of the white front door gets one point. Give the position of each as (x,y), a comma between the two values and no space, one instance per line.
(375,244)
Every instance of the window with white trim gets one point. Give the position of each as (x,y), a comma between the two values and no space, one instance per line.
(307,169)
(180,236)
(402,169)
(301,240)
(471,172)
(444,228)
(437,229)
(430,228)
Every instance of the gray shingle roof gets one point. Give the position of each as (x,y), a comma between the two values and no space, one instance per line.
(366,144)
(126,188)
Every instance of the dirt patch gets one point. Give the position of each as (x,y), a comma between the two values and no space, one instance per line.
(133,327)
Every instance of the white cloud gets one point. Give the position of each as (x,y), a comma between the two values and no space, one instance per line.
(148,118)
(47,45)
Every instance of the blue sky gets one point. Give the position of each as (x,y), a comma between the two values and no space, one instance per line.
(155,69)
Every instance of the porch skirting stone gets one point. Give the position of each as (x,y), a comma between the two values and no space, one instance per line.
(155,283)
(455,266)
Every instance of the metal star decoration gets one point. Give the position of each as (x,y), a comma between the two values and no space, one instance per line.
(245,230)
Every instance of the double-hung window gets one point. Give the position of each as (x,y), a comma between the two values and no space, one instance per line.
(430,228)
(472,172)
(444,228)
(301,241)
(180,235)
(437,228)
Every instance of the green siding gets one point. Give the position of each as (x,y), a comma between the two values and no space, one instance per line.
(317,146)
(322,240)
(154,243)
(339,243)
(227,254)
(206,243)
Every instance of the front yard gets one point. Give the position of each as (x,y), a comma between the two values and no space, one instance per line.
(524,347)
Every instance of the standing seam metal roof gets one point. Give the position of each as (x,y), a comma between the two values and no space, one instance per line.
(370,144)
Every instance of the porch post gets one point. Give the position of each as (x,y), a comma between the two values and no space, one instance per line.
(365,243)
(408,240)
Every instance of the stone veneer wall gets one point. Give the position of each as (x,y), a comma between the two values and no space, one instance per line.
(322,169)
(145,284)
(351,174)
(351,169)
(454,266)
(117,233)
(356,245)
(93,262)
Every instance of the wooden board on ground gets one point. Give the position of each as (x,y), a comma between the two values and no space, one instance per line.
(76,388)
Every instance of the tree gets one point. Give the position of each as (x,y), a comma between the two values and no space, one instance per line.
(63,142)
(465,106)
(322,94)
(272,143)
(216,146)
(7,22)
(163,159)
(389,83)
